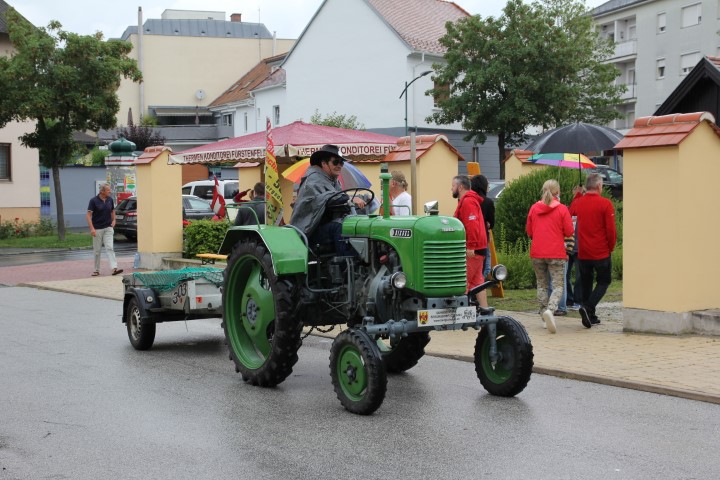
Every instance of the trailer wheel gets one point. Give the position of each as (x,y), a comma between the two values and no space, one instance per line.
(511,373)
(357,372)
(141,335)
(262,336)
(405,354)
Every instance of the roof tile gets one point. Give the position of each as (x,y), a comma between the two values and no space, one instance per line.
(241,89)
(423,144)
(665,130)
(420,23)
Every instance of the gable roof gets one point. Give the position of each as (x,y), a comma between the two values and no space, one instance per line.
(257,75)
(665,131)
(698,91)
(199,28)
(419,23)
(423,144)
(521,155)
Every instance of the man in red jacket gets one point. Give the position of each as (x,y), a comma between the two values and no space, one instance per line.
(469,213)
(596,238)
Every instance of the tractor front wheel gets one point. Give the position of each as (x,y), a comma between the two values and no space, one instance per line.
(510,373)
(358,372)
(261,333)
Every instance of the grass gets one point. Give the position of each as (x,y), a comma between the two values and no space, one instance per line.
(526,300)
(72,240)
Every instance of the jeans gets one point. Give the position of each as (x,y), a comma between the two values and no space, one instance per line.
(331,233)
(574,289)
(486,264)
(104,236)
(599,271)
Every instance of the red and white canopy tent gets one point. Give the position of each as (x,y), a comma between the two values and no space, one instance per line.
(293,141)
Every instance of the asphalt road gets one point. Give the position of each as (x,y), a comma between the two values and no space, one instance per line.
(17,257)
(77,401)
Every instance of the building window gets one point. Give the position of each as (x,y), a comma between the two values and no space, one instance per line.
(691,15)
(660,69)
(246,121)
(661,22)
(227,119)
(5,161)
(688,61)
(276,115)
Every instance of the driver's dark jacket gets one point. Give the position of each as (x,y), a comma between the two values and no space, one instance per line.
(317,188)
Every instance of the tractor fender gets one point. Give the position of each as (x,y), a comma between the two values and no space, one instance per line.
(287,245)
(141,294)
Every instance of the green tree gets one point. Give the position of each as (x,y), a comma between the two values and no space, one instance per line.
(539,64)
(64,82)
(337,120)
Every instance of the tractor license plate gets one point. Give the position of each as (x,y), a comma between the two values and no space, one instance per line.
(445,316)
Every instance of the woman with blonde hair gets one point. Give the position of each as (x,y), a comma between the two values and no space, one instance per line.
(548,223)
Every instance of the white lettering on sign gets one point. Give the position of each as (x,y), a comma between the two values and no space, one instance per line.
(401,232)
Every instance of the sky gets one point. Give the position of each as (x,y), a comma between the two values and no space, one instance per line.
(287,18)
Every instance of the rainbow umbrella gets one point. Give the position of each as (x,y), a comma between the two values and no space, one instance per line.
(572,160)
(350,176)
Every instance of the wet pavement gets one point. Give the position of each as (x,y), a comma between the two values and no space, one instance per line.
(685,366)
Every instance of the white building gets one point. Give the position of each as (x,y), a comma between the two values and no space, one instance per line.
(355,57)
(658,42)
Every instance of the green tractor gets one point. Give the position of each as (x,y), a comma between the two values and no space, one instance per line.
(406,279)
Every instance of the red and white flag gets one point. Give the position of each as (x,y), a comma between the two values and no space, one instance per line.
(218,201)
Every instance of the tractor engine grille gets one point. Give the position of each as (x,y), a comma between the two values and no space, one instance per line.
(444,267)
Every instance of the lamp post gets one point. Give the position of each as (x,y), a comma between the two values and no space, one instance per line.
(404,92)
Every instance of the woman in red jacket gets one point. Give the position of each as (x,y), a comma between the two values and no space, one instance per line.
(548,223)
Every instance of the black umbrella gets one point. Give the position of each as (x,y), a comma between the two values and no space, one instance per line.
(576,138)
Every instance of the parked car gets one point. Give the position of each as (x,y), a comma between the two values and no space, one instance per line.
(194,208)
(612,179)
(495,188)
(204,188)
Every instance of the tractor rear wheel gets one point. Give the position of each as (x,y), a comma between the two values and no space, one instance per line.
(358,372)
(405,354)
(261,333)
(510,374)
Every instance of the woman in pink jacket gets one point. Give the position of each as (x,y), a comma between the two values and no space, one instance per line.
(548,223)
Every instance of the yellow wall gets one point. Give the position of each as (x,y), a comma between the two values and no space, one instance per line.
(671,225)
(19,197)
(174,68)
(514,168)
(159,206)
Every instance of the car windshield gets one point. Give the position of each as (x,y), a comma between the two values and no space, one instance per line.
(198,204)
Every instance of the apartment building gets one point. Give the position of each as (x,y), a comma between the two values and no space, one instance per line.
(657,43)
(188,58)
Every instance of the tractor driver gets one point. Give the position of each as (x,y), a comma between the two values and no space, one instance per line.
(318,208)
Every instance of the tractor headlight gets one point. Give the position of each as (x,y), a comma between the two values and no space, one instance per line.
(499,273)
(398,280)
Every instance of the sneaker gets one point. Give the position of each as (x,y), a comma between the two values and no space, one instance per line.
(549,319)
(585,316)
(560,313)
(595,321)
(574,306)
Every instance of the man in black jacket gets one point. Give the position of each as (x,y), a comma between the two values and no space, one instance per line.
(245,214)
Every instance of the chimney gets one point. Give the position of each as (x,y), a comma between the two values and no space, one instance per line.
(236,17)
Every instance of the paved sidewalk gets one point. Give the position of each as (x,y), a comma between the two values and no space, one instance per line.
(683,366)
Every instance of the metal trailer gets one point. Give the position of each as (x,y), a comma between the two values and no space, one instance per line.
(168,296)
